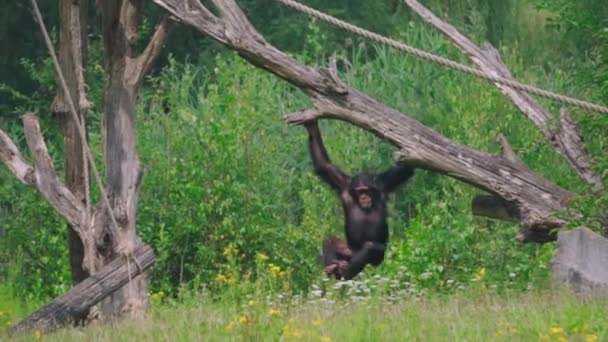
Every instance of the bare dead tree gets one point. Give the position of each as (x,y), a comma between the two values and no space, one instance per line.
(94,240)
(125,70)
(564,137)
(530,199)
(72,59)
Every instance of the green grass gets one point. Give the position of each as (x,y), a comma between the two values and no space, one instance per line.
(478,315)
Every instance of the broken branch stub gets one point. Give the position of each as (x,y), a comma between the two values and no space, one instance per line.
(535,198)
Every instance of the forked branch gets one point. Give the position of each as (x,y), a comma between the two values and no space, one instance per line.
(42,175)
(147,58)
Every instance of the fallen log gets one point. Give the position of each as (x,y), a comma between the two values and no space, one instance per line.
(67,308)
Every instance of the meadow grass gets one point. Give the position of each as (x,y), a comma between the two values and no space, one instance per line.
(471,315)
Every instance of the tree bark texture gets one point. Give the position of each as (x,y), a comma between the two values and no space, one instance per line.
(76,302)
(101,240)
(533,199)
(125,70)
(72,59)
(564,137)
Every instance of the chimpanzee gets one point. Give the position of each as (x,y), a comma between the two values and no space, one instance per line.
(363,199)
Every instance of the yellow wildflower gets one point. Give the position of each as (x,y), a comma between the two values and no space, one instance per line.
(261,258)
(229,326)
(556,331)
(292,332)
(229,251)
(545,338)
(274,312)
(37,334)
(317,323)
(156,296)
(479,275)
(251,302)
(243,319)
(325,339)
(274,269)
(220,278)
(591,338)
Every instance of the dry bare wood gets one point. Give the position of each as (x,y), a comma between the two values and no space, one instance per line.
(76,302)
(564,138)
(12,158)
(72,60)
(534,199)
(125,69)
(101,241)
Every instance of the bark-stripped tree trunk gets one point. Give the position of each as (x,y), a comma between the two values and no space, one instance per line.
(101,241)
(124,71)
(531,199)
(72,59)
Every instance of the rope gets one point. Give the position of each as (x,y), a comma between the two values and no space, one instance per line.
(79,123)
(443,61)
(87,187)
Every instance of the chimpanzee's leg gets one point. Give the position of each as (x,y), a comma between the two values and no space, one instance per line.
(336,256)
(371,253)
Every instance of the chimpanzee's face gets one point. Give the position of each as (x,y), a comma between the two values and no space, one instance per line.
(364,192)
(364,199)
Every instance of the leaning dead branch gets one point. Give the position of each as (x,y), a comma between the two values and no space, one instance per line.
(565,139)
(71,306)
(12,158)
(534,199)
(41,175)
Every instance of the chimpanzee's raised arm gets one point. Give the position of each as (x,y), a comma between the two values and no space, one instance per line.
(395,176)
(337,179)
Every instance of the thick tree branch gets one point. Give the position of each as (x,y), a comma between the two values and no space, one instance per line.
(47,181)
(566,139)
(236,32)
(10,155)
(144,62)
(491,205)
(72,305)
(299,118)
(129,13)
(534,198)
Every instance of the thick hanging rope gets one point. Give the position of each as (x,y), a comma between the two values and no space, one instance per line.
(443,61)
(79,123)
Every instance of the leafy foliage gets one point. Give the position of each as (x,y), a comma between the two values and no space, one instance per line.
(228,199)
